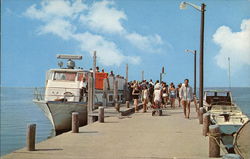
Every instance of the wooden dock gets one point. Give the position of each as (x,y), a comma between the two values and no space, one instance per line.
(139,135)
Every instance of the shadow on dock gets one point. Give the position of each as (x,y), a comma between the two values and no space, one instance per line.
(55,149)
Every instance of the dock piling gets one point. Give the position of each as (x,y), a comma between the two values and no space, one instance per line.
(127,104)
(31,137)
(214,141)
(105,89)
(206,123)
(115,91)
(201,112)
(75,122)
(90,98)
(101,115)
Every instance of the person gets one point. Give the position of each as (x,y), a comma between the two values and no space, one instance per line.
(103,70)
(178,94)
(151,82)
(136,93)
(165,95)
(157,95)
(151,94)
(83,89)
(172,94)
(97,69)
(186,95)
(145,97)
(112,74)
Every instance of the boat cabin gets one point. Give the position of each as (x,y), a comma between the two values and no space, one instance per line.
(70,83)
(217,97)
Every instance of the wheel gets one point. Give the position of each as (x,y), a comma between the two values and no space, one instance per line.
(160,112)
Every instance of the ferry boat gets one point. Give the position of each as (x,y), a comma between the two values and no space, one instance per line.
(225,113)
(64,94)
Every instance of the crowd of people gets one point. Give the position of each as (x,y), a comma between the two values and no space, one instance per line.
(161,95)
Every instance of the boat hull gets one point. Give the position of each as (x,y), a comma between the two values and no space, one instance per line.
(60,113)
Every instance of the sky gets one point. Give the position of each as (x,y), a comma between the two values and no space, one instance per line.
(145,34)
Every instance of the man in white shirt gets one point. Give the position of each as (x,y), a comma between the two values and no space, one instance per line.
(186,95)
(83,88)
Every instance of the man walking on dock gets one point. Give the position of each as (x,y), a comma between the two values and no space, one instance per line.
(186,95)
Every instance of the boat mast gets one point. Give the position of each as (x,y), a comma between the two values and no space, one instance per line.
(229,73)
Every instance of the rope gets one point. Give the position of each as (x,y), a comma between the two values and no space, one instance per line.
(214,136)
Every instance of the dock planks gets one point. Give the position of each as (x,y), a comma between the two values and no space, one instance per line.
(137,136)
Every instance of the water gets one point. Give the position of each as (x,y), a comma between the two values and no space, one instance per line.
(18,110)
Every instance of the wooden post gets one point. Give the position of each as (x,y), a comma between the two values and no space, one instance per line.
(214,141)
(206,123)
(31,137)
(202,111)
(127,104)
(127,91)
(75,122)
(94,72)
(101,115)
(115,91)
(90,99)
(105,93)
(124,93)
(196,106)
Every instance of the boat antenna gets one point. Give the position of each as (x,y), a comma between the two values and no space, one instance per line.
(229,73)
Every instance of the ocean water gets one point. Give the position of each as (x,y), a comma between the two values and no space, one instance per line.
(18,110)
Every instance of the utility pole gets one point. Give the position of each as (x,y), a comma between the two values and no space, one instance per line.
(229,73)
(195,72)
(142,75)
(94,79)
(202,54)
(162,72)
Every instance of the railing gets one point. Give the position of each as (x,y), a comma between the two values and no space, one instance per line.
(66,93)
(60,94)
(39,93)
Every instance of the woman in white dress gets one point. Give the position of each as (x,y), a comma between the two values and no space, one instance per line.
(145,98)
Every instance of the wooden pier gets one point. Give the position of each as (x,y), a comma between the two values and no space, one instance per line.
(139,135)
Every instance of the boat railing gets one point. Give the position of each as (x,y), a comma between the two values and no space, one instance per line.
(39,93)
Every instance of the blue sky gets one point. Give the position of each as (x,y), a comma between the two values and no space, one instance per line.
(146,34)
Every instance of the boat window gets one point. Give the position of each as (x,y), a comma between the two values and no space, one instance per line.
(67,76)
(81,76)
(210,93)
(222,94)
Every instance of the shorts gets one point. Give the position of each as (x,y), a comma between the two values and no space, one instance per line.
(135,97)
(186,100)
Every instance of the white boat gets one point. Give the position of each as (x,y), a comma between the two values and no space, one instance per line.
(62,94)
(224,113)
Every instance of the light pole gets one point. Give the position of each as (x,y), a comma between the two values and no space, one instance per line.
(201,8)
(194,52)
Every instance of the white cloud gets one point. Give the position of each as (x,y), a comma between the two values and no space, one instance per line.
(235,45)
(65,18)
(102,16)
(107,51)
(146,43)
(51,9)
(59,27)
